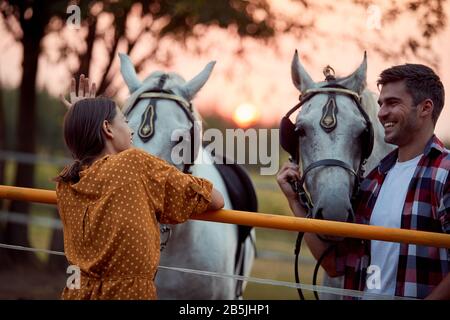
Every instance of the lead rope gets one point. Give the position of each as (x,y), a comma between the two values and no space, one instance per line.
(298,243)
(316,268)
(164,229)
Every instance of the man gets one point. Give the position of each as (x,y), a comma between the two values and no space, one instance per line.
(409,189)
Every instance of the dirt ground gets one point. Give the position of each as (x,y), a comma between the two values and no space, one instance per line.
(25,283)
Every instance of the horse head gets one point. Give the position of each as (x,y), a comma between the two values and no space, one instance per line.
(166,97)
(334,136)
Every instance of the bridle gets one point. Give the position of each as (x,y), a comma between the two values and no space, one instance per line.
(289,142)
(146,128)
(328,123)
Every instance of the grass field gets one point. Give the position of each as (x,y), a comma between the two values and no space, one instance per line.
(279,267)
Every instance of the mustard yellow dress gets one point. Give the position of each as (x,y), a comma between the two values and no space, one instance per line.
(111,221)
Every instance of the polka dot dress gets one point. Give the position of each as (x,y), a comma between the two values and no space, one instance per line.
(111,221)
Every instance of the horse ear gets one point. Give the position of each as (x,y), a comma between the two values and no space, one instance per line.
(194,85)
(358,79)
(301,79)
(129,73)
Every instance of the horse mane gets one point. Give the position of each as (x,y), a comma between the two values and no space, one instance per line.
(370,105)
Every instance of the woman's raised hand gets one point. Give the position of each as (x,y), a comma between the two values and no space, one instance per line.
(85,90)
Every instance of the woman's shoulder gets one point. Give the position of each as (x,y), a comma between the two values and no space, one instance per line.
(139,159)
(135,155)
(61,187)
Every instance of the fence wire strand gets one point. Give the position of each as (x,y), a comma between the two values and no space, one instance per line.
(324,289)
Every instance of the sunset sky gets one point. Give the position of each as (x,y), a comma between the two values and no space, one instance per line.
(262,78)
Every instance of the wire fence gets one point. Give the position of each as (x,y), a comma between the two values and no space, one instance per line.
(30,158)
(317,288)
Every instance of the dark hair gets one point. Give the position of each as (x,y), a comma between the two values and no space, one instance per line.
(421,82)
(83,133)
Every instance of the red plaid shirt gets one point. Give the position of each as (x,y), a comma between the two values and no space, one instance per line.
(427,208)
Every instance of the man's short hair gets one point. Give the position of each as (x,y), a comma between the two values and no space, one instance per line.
(421,82)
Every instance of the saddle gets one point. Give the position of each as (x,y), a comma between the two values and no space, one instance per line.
(243,197)
(241,191)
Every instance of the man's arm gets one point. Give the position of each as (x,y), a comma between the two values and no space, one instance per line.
(287,174)
(442,291)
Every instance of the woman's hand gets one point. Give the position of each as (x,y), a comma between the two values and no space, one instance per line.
(217,201)
(85,90)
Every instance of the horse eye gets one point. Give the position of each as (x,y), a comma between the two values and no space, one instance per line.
(300,131)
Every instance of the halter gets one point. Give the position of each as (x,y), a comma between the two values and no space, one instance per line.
(328,123)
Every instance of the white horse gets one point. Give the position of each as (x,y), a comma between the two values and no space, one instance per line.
(197,245)
(341,137)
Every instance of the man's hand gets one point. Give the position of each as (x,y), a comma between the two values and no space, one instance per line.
(85,90)
(287,175)
(442,291)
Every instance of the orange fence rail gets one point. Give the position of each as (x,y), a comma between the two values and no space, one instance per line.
(272,221)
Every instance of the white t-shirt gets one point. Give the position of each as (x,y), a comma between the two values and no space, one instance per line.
(388,213)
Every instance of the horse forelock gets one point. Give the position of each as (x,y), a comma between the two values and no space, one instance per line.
(381,148)
(173,82)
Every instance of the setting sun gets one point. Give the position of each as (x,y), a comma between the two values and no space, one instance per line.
(245,114)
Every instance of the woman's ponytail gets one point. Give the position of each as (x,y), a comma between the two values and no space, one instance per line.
(70,173)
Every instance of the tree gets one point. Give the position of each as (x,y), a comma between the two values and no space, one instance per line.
(180,21)
(27,21)
(430,17)
(161,20)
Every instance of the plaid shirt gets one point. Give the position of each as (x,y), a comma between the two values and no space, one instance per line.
(426,208)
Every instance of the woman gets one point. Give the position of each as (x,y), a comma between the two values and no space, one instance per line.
(112,199)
